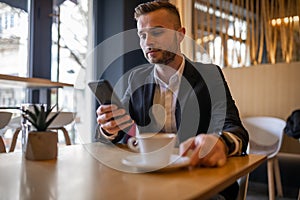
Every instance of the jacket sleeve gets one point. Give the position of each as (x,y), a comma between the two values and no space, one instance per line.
(232,121)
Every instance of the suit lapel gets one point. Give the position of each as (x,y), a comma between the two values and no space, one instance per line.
(190,78)
(149,87)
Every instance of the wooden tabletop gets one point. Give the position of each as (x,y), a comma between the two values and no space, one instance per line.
(95,171)
(16,81)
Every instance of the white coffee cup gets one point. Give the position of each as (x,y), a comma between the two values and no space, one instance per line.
(155,148)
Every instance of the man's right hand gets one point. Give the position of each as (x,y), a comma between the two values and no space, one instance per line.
(113,119)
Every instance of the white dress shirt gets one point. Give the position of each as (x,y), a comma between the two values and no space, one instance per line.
(166,96)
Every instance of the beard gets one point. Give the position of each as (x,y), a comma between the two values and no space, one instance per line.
(165,59)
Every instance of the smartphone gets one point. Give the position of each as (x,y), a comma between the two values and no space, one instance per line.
(104,93)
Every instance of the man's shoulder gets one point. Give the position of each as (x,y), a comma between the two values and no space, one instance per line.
(141,75)
(202,68)
(143,69)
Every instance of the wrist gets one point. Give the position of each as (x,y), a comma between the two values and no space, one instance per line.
(230,145)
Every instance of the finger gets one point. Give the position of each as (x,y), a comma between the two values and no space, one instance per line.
(126,125)
(105,117)
(113,125)
(118,112)
(106,108)
(213,160)
(126,118)
(221,162)
(198,142)
(195,155)
(110,129)
(116,129)
(186,146)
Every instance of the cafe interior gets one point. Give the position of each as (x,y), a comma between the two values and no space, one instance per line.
(51,49)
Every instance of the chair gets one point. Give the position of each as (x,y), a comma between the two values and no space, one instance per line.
(243,183)
(63,119)
(14,124)
(4,120)
(265,137)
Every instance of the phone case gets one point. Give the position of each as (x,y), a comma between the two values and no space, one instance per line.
(104,92)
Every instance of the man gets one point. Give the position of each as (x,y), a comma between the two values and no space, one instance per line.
(174,94)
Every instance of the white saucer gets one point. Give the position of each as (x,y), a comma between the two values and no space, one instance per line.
(176,161)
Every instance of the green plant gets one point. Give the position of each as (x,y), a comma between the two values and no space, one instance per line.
(39,116)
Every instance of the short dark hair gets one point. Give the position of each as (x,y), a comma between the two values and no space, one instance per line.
(151,6)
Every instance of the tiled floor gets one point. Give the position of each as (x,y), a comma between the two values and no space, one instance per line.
(259,191)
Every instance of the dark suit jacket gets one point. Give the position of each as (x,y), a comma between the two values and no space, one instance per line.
(204,103)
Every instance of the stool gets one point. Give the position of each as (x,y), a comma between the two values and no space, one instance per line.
(4,120)
(63,119)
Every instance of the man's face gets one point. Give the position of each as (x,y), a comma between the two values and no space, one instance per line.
(158,38)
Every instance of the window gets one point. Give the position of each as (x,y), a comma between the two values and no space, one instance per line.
(69,40)
(12,20)
(13,40)
(13,51)
(0,24)
(222,34)
(69,46)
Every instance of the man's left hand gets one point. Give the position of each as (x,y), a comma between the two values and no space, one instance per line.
(207,150)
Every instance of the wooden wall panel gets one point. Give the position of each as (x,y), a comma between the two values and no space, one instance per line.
(270,90)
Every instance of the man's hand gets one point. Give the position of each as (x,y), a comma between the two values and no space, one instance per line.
(207,150)
(112,119)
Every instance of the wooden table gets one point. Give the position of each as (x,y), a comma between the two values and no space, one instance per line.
(26,82)
(40,84)
(82,172)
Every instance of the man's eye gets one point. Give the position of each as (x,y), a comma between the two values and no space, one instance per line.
(142,36)
(156,32)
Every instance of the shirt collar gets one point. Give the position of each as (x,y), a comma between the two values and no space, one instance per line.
(174,78)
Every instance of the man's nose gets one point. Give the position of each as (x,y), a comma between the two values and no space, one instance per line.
(149,41)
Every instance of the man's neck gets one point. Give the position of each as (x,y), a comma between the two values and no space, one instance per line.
(166,71)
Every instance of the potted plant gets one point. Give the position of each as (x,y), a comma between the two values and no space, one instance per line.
(41,143)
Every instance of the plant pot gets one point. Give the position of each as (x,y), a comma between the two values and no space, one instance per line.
(41,145)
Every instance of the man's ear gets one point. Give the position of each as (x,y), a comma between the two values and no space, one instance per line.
(181,33)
